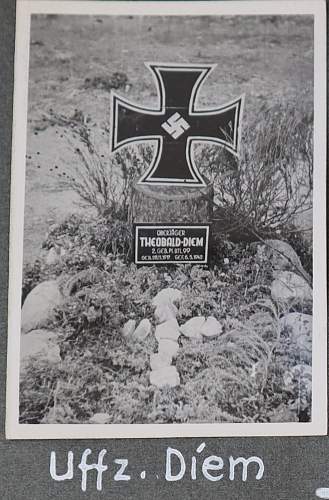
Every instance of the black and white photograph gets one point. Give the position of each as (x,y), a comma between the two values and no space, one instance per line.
(168,211)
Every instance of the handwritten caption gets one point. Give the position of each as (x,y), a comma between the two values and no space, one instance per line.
(176,467)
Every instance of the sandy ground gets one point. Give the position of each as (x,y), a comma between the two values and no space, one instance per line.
(270,62)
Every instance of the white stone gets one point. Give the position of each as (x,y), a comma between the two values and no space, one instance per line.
(289,288)
(143,329)
(192,328)
(211,327)
(165,377)
(167,295)
(297,324)
(299,328)
(39,305)
(128,328)
(300,377)
(100,418)
(40,344)
(168,330)
(52,257)
(168,348)
(165,312)
(282,256)
(158,361)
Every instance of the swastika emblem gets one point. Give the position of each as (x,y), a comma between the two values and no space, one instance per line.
(175,124)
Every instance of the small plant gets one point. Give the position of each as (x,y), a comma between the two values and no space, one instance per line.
(116,81)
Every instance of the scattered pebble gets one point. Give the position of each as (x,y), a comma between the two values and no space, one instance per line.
(192,327)
(158,361)
(143,330)
(290,288)
(211,327)
(297,324)
(164,313)
(165,377)
(168,330)
(128,328)
(100,418)
(167,295)
(168,348)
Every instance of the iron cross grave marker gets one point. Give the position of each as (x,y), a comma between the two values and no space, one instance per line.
(175,124)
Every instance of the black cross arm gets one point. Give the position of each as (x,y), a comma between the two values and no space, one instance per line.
(219,126)
(132,123)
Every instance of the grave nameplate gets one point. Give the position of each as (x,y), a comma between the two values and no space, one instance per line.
(171,244)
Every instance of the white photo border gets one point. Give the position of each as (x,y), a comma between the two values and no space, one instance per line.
(318,425)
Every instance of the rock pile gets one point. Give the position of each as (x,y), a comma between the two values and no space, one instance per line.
(163,373)
(167,333)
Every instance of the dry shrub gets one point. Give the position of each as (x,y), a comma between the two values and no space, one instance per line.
(271,183)
(103,181)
